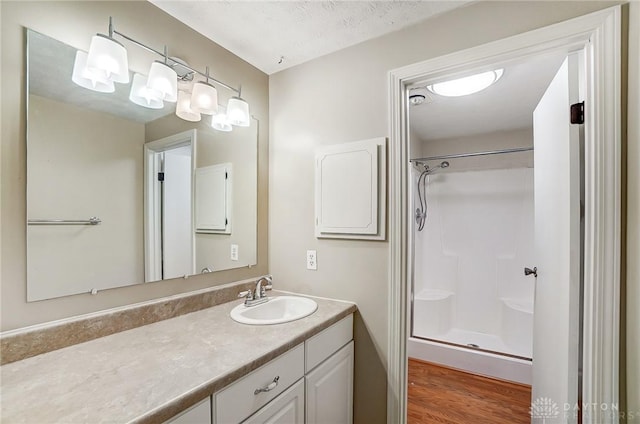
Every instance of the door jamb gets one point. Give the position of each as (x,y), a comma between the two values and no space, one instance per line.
(599,32)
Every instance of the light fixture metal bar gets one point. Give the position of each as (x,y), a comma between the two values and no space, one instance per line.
(152,50)
(466,155)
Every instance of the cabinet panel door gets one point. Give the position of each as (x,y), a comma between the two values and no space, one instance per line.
(288,408)
(330,390)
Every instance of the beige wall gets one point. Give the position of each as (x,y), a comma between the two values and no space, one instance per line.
(342,97)
(71,150)
(74,23)
(633,215)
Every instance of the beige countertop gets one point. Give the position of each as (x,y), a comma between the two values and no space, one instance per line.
(150,373)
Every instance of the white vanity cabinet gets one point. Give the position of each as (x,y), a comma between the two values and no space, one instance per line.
(311,383)
(329,375)
(200,413)
(288,408)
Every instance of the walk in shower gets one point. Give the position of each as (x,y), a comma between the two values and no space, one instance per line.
(471,302)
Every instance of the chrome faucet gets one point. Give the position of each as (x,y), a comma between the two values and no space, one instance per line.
(259,295)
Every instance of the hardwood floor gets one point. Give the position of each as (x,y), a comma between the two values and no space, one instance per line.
(443,395)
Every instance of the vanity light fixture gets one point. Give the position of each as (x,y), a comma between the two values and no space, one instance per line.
(220,121)
(467,85)
(184,109)
(107,63)
(108,57)
(204,98)
(142,95)
(163,79)
(238,112)
(88,79)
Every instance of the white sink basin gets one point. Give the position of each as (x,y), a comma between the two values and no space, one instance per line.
(276,311)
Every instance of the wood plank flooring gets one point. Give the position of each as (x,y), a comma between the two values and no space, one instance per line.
(443,395)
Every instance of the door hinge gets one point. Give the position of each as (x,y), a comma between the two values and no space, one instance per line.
(161,176)
(226,222)
(577,113)
(226,176)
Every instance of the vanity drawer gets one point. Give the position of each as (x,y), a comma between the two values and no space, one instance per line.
(324,344)
(238,401)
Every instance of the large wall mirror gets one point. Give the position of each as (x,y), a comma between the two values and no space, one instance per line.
(118,194)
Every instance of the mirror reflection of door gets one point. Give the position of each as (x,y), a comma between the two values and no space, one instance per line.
(177,236)
(168,213)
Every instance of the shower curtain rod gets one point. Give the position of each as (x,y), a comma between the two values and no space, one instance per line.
(466,155)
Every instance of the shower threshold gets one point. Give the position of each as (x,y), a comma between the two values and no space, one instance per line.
(473,346)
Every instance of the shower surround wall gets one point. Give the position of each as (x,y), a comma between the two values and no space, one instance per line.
(469,285)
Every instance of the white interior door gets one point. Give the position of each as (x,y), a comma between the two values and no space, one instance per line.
(177,232)
(557,250)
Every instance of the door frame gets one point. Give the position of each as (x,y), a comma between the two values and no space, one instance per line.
(152,201)
(599,33)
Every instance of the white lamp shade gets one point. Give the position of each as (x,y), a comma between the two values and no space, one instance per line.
(164,79)
(108,58)
(183,108)
(238,112)
(204,98)
(88,79)
(220,122)
(142,95)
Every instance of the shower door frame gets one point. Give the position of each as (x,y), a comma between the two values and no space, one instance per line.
(600,34)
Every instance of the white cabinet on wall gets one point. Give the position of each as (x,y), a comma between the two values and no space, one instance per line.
(213,199)
(350,190)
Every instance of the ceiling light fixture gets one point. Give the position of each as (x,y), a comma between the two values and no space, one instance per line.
(107,62)
(467,85)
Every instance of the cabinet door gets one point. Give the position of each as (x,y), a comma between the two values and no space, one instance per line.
(330,390)
(197,414)
(288,408)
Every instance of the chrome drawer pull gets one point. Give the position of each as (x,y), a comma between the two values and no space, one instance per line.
(268,388)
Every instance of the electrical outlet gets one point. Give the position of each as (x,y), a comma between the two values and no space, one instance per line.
(234,252)
(312,260)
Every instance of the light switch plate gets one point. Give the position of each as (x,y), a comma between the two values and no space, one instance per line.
(234,252)
(312,260)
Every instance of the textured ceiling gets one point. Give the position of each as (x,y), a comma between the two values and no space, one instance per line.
(275,35)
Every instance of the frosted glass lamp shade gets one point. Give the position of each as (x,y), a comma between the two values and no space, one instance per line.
(183,108)
(164,79)
(142,95)
(238,112)
(88,79)
(220,121)
(204,98)
(108,58)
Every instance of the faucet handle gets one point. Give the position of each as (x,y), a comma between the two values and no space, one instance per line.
(248,294)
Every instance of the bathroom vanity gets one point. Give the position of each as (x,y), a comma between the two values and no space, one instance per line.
(201,367)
